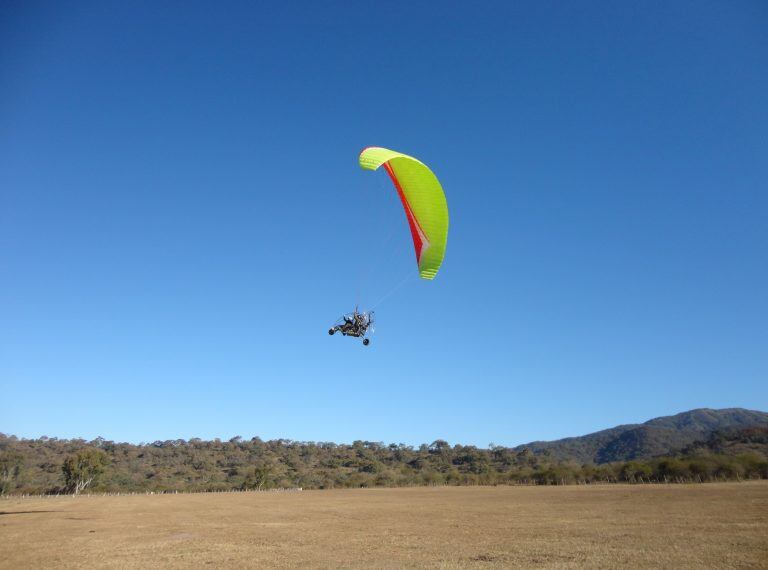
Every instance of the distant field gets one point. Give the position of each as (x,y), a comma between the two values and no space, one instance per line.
(673,526)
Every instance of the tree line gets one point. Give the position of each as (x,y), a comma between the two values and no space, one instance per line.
(50,465)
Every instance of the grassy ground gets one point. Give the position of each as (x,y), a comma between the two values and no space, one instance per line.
(673,526)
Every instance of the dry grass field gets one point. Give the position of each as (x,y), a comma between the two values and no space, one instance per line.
(675,526)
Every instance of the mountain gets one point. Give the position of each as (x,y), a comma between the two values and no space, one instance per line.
(751,440)
(660,436)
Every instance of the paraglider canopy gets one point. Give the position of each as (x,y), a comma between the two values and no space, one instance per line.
(423,201)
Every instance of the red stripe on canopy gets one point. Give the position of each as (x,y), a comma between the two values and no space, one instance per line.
(417,233)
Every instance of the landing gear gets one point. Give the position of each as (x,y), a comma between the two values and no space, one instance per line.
(331,331)
(366,342)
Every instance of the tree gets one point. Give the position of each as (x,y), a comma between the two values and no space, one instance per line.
(259,478)
(634,471)
(439,446)
(11,464)
(83,468)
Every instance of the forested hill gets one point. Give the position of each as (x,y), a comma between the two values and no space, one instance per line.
(666,435)
(702,445)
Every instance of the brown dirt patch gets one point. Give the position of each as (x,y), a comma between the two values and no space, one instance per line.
(674,526)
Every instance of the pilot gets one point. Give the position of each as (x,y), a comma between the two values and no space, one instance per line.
(349,324)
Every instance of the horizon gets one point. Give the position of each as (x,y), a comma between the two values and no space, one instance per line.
(385,443)
(182,217)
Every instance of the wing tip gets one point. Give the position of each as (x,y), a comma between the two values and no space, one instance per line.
(368,163)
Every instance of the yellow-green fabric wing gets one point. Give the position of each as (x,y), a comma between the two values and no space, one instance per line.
(423,200)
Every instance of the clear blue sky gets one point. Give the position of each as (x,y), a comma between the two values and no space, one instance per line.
(182,217)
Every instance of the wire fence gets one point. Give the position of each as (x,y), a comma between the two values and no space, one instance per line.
(138,493)
(672,480)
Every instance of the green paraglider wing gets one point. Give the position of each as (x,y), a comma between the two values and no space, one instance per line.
(423,200)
